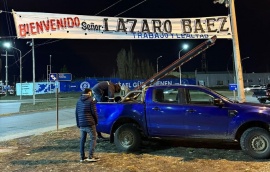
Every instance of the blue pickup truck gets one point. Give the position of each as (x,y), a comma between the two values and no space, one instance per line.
(185,112)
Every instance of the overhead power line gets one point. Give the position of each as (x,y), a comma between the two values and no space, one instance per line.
(108,7)
(131,8)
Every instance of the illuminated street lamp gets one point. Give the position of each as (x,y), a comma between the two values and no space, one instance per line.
(8,45)
(184,47)
(245,58)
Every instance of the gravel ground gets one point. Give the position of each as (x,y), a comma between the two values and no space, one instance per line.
(59,151)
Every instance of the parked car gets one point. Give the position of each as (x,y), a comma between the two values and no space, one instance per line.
(253,87)
(2,93)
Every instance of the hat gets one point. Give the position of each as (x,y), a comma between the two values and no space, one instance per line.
(87,90)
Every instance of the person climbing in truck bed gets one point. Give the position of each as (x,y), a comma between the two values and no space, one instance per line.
(104,92)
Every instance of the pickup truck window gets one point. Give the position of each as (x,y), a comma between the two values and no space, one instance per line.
(165,95)
(200,97)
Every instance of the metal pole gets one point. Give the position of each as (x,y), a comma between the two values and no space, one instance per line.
(57,105)
(6,73)
(50,61)
(157,65)
(237,58)
(50,72)
(180,72)
(6,55)
(243,71)
(157,62)
(47,76)
(20,71)
(21,74)
(34,76)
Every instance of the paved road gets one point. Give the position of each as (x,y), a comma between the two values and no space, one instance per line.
(21,125)
(6,108)
(13,106)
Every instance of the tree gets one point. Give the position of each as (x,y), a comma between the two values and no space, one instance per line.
(64,69)
(121,56)
(131,68)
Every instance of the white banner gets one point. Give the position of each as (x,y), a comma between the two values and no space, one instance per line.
(68,26)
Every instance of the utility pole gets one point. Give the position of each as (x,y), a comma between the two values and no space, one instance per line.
(6,83)
(6,70)
(237,57)
(236,49)
(34,74)
(50,72)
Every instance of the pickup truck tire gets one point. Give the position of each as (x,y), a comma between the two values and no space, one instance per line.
(256,142)
(127,138)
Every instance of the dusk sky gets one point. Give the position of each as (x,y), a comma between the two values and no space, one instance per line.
(97,58)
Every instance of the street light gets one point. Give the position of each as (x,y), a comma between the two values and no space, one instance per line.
(242,62)
(31,43)
(8,45)
(157,62)
(243,68)
(184,47)
(245,58)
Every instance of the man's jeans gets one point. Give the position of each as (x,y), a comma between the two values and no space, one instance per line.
(91,130)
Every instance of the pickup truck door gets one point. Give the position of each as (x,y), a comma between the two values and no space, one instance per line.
(190,114)
(203,119)
(164,114)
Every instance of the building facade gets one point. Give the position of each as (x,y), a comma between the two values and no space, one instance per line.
(224,79)
(215,79)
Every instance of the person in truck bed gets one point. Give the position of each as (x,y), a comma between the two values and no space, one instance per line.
(104,92)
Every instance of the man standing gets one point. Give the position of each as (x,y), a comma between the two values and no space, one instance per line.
(104,91)
(87,119)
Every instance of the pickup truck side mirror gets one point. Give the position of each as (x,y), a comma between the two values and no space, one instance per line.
(218,102)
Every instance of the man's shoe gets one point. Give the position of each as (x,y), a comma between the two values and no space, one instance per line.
(83,159)
(91,160)
(96,158)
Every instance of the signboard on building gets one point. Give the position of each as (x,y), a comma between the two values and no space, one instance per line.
(64,77)
(60,76)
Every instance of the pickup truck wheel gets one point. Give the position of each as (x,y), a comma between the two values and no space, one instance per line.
(127,138)
(256,142)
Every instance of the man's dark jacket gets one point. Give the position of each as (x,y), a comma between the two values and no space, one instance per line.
(86,112)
